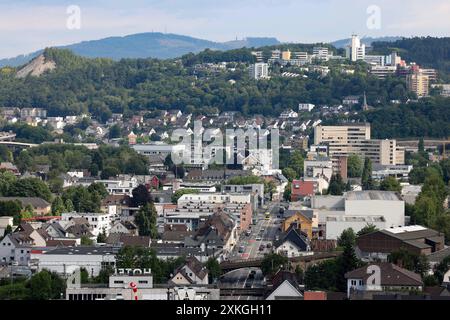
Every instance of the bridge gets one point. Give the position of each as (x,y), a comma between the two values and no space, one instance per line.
(15,144)
(302,261)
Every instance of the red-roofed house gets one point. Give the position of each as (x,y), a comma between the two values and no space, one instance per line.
(302,189)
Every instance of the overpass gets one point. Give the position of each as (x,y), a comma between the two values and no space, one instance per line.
(303,261)
(15,144)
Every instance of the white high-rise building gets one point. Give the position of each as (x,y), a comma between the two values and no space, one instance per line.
(356,50)
(259,71)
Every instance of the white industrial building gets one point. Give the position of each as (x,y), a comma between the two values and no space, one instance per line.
(66,260)
(357,209)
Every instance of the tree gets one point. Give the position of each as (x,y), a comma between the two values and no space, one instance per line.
(287,192)
(11,208)
(141,196)
(354,166)
(289,173)
(296,162)
(337,185)
(272,263)
(145,219)
(101,238)
(390,184)
(347,238)
(322,276)
(85,241)
(108,172)
(69,205)
(58,206)
(413,262)
(115,132)
(46,286)
(214,269)
(442,268)
(369,228)
(366,178)
(30,187)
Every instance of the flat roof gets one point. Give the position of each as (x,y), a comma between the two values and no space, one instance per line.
(372,195)
(81,250)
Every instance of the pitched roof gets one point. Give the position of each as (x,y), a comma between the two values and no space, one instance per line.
(295,237)
(391,275)
(35,202)
(196,267)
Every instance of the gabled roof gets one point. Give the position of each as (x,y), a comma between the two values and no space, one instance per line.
(196,267)
(295,237)
(391,275)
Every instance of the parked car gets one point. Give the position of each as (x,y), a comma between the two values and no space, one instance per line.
(261,247)
(268,245)
(258,238)
(241,249)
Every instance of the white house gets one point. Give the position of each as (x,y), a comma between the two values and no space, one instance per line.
(305,107)
(15,248)
(285,290)
(98,222)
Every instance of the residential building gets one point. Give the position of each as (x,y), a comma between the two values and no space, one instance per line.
(293,243)
(256,190)
(305,107)
(302,220)
(419,83)
(119,186)
(301,189)
(285,286)
(98,222)
(191,273)
(40,206)
(259,70)
(363,284)
(16,248)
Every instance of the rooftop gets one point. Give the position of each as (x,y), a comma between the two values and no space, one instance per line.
(372,195)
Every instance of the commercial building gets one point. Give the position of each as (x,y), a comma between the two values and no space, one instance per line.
(415,239)
(350,139)
(355,208)
(356,51)
(66,261)
(139,286)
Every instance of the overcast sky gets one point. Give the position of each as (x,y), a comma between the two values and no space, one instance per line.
(28,25)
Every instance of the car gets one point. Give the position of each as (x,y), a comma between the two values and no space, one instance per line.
(262,229)
(241,249)
(258,238)
(261,247)
(268,245)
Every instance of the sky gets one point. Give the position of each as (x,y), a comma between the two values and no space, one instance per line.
(29,25)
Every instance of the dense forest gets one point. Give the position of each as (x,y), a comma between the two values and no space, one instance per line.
(101,87)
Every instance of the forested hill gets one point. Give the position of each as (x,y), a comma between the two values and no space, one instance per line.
(103,86)
(427,51)
(146,45)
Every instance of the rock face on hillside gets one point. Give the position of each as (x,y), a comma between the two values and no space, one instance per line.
(36,67)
